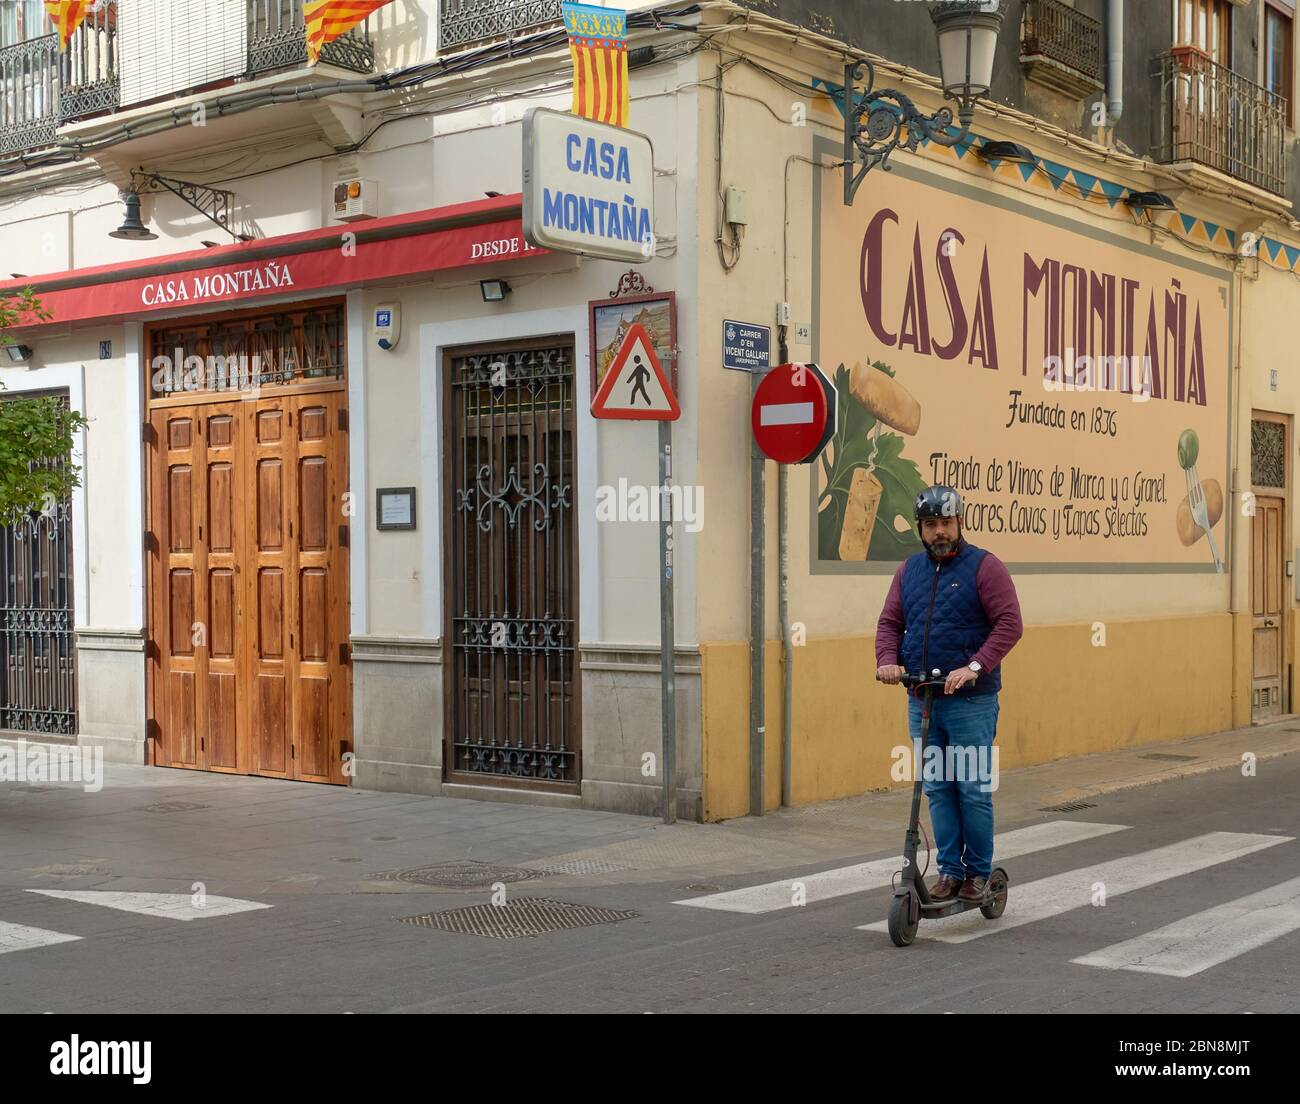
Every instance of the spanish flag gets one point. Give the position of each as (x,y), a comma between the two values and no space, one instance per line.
(66,15)
(598,46)
(328,19)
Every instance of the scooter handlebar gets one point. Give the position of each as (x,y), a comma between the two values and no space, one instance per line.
(917,681)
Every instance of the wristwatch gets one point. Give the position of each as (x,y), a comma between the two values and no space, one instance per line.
(974,666)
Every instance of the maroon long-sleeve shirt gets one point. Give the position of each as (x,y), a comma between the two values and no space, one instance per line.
(997,595)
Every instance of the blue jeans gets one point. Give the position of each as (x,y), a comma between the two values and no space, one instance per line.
(961,806)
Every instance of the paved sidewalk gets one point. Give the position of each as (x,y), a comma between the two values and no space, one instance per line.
(164,829)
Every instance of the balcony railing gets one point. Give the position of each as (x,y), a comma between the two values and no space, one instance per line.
(1212,116)
(1055,30)
(41,89)
(277,39)
(463,23)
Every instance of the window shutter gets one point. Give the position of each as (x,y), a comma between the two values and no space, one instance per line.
(167,46)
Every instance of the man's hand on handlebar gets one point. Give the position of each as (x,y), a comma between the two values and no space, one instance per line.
(889,674)
(957,679)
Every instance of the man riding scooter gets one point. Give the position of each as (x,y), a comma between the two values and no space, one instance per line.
(954,607)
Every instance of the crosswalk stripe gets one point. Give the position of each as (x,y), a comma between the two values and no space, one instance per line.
(1196,943)
(172,906)
(19,937)
(861,877)
(1048,897)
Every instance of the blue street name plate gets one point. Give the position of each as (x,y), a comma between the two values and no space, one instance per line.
(746,347)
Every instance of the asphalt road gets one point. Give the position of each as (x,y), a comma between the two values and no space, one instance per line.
(264,897)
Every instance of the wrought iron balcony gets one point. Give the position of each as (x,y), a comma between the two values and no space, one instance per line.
(463,23)
(41,89)
(1210,115)
(277,39)
(1061,47)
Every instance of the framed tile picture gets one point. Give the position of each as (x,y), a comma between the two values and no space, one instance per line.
(610,319)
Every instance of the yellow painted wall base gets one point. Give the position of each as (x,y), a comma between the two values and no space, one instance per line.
(1065,693)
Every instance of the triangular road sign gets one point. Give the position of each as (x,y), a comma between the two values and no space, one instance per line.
(635,385)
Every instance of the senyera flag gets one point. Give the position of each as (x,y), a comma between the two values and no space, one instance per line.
(328,19)
(598,46)
(66,15)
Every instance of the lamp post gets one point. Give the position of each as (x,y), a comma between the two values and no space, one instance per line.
(884,119)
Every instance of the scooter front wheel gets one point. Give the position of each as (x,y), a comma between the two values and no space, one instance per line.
(904,917)
(998,895)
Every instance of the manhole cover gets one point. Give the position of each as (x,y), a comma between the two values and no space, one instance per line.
(173,807)
(465,874)
(1068,807)
(526,916)
(583,866)
(1169,757)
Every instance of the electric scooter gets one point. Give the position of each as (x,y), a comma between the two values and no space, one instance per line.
(912,900)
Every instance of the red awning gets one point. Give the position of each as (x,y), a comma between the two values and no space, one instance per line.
(306,264)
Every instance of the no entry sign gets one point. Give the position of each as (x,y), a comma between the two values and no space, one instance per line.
(794,413)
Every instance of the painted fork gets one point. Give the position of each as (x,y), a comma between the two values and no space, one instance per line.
(1200,515)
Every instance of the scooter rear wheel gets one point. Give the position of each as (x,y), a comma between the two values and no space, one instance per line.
(998,891)
(904,917)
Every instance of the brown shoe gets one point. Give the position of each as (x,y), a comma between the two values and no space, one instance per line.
(945,889)
(972,889)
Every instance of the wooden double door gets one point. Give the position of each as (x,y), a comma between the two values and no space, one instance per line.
(249,586)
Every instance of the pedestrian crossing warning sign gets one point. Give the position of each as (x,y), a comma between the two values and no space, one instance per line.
(635,385)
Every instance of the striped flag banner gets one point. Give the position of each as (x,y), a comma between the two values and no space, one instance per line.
(328,19)
(598,46)
(66,15)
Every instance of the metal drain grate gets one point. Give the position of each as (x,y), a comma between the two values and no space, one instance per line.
(1169,757)
(583,866)
(465,874)
(1067,807)
(526,916)
(174,807)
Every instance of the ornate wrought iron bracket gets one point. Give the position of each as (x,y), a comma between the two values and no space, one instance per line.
(631,283)
(883,120)
(212,203)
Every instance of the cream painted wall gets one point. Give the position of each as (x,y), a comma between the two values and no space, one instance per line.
(464,159)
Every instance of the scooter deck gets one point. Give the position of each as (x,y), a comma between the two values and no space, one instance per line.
(950,908)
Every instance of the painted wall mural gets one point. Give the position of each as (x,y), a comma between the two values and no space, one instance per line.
(1070,383)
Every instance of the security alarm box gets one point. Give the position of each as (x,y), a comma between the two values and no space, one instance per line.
(355,199)
(386,325)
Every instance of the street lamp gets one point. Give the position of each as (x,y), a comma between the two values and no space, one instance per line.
(884,119)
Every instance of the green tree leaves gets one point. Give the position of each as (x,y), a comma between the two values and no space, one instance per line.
(36,434)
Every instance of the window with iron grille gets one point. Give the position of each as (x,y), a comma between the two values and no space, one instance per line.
(38,667)
(248,351)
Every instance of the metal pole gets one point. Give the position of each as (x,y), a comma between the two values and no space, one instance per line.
(667,671)
(787,654)
(757,713)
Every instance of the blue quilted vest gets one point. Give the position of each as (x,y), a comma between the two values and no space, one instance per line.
(945,623)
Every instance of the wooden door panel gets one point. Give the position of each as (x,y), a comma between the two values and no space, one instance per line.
(182,741)
(269,725)
(1268,645)
(249,586)
(320,621)
(268,649)
(223,725)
